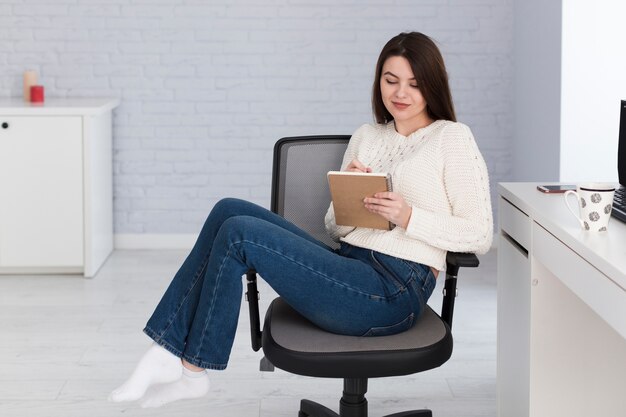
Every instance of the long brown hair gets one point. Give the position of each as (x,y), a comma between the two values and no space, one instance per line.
(429,72)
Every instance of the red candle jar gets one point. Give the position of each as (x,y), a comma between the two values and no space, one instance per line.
(36,94)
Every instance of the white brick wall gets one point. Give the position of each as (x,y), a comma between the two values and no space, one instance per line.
(207,87)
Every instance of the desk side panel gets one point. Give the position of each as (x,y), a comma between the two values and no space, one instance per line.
(98,185)
(513,315)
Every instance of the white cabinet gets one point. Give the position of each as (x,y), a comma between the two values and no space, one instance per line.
(55,186)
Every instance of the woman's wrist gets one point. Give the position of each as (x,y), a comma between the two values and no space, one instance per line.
(405,223)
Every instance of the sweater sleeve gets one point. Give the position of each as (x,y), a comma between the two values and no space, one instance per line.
(468,227)
(334,231)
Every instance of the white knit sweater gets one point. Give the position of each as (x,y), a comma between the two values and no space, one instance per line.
(442,175)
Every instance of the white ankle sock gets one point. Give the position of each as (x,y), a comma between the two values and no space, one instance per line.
(190,385)
(156,366)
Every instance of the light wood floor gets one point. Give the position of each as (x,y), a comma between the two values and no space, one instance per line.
(66,342)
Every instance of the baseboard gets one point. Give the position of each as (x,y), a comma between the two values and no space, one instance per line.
(154,241)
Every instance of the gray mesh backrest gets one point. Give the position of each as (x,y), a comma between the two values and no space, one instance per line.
(301,194)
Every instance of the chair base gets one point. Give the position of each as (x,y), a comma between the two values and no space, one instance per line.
(312,409)
(353,403)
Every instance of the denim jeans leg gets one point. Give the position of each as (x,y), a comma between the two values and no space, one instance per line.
(338,293)
(170,323)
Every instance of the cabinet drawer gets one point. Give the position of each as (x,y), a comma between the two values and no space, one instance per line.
(515,223)
(596,290)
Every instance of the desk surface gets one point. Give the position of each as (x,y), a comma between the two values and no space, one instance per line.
(606,251)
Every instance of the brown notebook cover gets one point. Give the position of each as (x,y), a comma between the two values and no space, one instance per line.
(348,189)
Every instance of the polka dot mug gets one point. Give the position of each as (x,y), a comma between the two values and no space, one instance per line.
(595,201)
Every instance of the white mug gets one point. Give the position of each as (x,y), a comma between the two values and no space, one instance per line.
(595,201)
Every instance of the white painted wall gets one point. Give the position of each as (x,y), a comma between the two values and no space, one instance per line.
(207,87)
(593,83)
(537,90)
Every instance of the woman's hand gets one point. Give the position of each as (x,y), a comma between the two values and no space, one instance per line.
(357,166)
(391,206)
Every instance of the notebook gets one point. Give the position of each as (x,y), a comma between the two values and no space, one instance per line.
(619,201)
(348,189)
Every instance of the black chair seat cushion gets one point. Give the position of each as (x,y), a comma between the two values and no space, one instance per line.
(296,345)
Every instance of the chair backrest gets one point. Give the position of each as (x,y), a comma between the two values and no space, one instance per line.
(300,190)
(300,194)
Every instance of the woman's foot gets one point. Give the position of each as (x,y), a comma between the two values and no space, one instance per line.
(156,366)
(190,385)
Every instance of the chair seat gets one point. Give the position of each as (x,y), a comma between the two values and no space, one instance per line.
(294,344)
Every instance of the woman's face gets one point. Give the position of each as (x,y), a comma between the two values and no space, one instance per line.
(401,96)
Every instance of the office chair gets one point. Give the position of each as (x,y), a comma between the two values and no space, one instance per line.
(294,344)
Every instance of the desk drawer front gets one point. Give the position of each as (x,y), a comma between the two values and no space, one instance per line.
(515,223)
(597,290)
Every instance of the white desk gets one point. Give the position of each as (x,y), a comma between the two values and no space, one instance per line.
(561,310)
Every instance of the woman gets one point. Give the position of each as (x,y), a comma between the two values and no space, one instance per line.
(378,281)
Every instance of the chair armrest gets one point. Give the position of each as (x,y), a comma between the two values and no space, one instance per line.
(252,297)
(455,260)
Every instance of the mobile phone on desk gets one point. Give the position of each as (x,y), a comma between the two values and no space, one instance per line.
(556,189)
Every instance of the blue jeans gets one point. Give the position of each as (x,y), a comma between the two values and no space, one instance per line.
(350,290)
